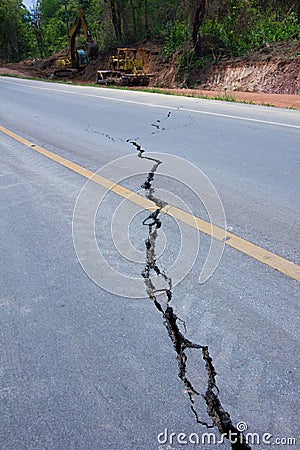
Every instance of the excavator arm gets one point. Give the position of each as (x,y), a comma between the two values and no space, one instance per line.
(79,23)
(77,59)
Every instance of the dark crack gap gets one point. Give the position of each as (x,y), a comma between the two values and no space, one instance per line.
(219,416)
(157,124)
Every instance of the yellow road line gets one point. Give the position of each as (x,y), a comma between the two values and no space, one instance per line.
(260,254)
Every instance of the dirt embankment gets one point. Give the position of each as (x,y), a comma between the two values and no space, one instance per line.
(272,69)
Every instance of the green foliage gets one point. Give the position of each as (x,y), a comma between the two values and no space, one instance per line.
(189,61)
(27,47)
(55,37)
(270,30)
(177,34)
(15,35)
(241,25)
(247,26)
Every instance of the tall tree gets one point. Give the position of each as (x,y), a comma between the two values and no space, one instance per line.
(198,19)
(116,18)
(15,39)
(132,9)
(37,26)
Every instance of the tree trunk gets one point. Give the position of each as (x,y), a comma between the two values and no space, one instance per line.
(146,19)
(119,18)
(40,40)
(133,18)
(198,19)
(115,15)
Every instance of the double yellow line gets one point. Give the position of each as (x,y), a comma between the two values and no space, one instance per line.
(260,254)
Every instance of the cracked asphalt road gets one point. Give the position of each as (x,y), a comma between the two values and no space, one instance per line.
(162,299)
(82,368)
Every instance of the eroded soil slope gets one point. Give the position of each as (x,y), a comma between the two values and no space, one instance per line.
(271,69)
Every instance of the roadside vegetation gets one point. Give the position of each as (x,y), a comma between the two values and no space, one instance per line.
(197,29)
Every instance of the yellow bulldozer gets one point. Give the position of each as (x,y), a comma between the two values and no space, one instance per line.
(128,68)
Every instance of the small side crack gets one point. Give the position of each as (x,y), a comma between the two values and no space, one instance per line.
(157,124)
(99,132)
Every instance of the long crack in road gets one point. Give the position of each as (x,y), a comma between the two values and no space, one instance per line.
(162,299)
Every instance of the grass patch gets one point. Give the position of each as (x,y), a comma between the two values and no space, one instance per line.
(225,97)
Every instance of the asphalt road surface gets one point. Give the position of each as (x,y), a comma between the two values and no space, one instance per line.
(83,367)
